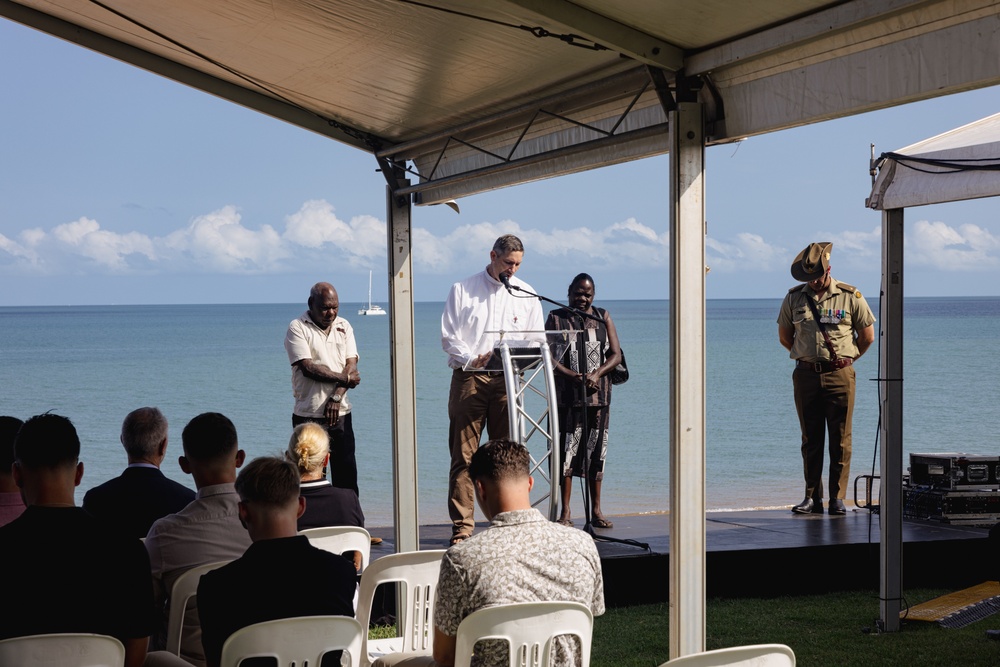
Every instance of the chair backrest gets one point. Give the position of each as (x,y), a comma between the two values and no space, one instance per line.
(69,649)
(294,641)
(528,627)
(417,572)
(754,655)
(338,539)
(182,592)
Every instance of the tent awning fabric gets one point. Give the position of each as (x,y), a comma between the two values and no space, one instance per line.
(963,163)
(468,96)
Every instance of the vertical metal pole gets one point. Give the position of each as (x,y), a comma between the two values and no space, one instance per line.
(555,445)
(687,380)
(402,372)
(891,430)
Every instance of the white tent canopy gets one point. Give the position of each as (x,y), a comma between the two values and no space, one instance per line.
(466,96)
(963,163)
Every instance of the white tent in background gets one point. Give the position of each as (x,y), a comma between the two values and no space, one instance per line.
(961,164)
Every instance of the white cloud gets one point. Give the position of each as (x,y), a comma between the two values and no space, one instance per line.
(315,226)
(464,248)
(219,241)
(314,238)
(15,250)
(748,252)
(85,238)
(33,236)
(859,245)
(965,248)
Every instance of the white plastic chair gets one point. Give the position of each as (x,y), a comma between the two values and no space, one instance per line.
(68,649)
(528,627)
(417,571)
(753,655)
(183,590)
(294,641)
(339,539)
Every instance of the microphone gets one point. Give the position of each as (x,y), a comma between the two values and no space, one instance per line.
(506,282)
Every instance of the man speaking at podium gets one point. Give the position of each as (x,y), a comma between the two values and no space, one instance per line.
(482,302)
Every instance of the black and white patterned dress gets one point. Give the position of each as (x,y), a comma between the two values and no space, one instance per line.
(574,410)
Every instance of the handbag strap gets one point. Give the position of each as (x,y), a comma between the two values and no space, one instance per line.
(819,323)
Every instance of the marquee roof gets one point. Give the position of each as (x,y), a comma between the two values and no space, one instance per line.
(963,163)
(467,95)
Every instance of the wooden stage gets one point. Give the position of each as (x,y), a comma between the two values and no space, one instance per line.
(764,553)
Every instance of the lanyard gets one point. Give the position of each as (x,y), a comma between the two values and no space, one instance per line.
(819,323)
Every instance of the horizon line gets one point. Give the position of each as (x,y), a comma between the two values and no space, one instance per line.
(298,303)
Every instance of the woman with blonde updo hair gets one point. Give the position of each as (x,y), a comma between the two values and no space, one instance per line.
(326,505)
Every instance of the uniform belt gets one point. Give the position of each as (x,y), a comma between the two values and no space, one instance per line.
(826,366)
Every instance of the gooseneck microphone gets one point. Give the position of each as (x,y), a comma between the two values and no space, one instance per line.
(506,282)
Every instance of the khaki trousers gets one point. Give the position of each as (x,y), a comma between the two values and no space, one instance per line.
(825,403)
(476,400)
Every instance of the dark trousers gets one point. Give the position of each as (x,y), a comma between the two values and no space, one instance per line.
(343,464)
(476,400)
(825,403)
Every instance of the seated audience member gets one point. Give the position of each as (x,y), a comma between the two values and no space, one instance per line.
(64,570)
(521,557)
(141,494)
(208,530)
(11,503)
(281,575)
(326,504)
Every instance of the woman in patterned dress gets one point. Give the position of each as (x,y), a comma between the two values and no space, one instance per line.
(583,392)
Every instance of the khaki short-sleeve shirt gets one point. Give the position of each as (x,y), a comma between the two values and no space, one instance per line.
(842,310)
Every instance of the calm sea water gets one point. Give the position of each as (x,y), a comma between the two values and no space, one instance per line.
(94,364)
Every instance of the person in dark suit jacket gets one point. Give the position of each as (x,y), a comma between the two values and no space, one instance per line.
(281,575)
(142,493)
(64,570)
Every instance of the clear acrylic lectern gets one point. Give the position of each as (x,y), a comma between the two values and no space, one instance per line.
(526,359)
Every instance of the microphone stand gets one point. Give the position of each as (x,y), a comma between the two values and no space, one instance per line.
(581,355)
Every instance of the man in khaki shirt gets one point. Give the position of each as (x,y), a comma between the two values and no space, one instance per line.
(823,379)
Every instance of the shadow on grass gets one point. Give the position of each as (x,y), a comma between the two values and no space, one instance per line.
(824,630)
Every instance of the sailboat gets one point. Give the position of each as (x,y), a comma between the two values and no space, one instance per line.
(372,309)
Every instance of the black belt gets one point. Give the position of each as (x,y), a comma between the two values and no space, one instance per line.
(487,373)
(826,366)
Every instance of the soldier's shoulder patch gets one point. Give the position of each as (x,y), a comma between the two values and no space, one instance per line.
(857,294)
(844,287)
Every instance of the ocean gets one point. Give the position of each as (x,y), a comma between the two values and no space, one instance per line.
(94,364)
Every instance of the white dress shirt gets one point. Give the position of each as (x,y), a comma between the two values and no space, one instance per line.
(478,304)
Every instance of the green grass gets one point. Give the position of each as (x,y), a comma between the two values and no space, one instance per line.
(824,630)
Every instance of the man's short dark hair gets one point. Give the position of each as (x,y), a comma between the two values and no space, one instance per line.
(318,291)
(507,243)
(208,437)
(9,426)
(269,480)
(142,432)
(500,460)
(47,441)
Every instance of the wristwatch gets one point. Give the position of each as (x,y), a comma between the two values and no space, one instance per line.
(337,398)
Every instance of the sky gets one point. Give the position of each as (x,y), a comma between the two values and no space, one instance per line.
(118,186)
